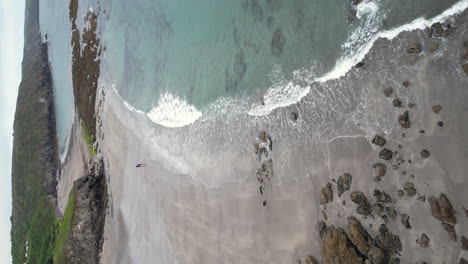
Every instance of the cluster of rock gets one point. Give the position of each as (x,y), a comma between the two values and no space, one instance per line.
(264,173)
(357,245)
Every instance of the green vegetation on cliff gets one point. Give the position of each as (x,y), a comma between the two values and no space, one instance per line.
(34,165)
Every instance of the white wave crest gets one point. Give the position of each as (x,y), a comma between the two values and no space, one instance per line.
(280,94)
(352,56)
(173,112)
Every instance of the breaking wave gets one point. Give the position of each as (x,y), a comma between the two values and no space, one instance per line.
(172,111)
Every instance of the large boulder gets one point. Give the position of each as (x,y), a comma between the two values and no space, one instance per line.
(442,209)
(337,248)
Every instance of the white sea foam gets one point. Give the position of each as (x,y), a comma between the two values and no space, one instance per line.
(355,49)
(280,94)
(346,62)
(172,111)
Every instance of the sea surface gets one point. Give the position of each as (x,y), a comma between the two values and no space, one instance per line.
(56,31)
(179,61)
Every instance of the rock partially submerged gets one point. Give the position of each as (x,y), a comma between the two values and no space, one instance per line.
(409,189)
(344,183)
(326,194)
(423,241)
(404,120)
(359,198)
(388,91)
(379,140)
(442,209)
(464,243)
(436,108)
(337,248)
(414,48)
(450,230)
(277,43)
(425,153)
(386,154)
(379,169)
(382,197)
(405,221)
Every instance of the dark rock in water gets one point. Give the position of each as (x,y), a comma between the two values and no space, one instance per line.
(406,84)
(397,103)
(293,116)
(379,169)
(382,197)
(414,48)
(421,198)
(359,64)
(357,2)
(277,43)
(394,261)
(390,212)
(436,108)
(425,153)
(310,260)
(386,154)
(433,46)
(326,194)
(440,124)
(405,221)
(378,208)
(264,203)
(388,91)
(387,241)
(411,105)
(378,140)
(422,131)
(465,68)
(324,215)
(437,30)
(321,228)
(358,235)
(463,261)
(409,189)
(423,241)
(400,193)
(270,21)
(464,243)
(404,121)
(344,183)
(442,209)
(377,178)
(450,230)
(336,248)
(360,199)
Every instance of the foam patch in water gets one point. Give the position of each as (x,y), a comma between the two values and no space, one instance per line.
(173,112)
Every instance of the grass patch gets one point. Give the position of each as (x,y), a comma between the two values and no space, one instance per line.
(89,140)
(64,227)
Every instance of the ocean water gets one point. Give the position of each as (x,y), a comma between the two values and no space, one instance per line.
(56,30)
(175,60)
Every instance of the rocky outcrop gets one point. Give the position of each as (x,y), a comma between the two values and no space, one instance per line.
(414,48)
(404,120)
(358,246)
(386,154)
(464,243)
(326,194)
(364,207)
(86,236)
(344,183)
(423,241)
(442,209)
(450,230)
(336,248)
(379,140)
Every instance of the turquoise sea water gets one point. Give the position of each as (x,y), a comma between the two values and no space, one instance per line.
(199,51)
(56,30)
(173,59)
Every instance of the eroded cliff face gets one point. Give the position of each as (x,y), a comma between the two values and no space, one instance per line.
(85,241)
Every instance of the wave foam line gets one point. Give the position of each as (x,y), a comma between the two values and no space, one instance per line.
(173,112)
(345,64)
